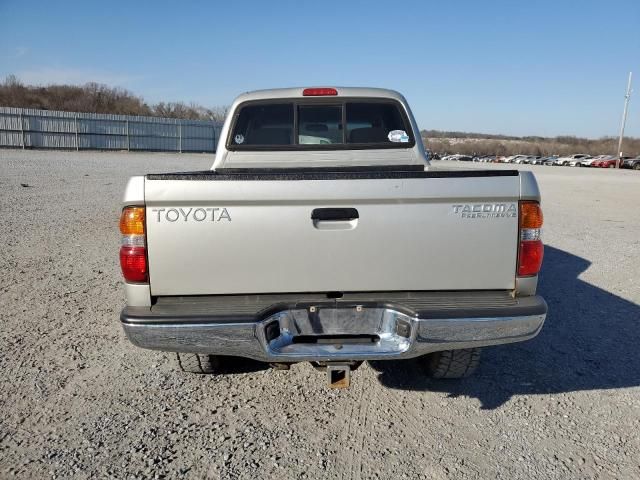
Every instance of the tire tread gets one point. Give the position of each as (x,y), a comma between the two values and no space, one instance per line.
(196,363)
(453,363)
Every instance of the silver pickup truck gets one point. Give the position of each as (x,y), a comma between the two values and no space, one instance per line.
(322,234)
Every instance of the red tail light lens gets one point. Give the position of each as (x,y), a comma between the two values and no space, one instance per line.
(531,248)
(319,92)
(133,261)
(530,261)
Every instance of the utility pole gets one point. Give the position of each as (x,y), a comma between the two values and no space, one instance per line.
(624,121)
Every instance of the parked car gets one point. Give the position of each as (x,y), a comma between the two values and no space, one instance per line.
(537,160)
(577,162)
(610,162)
(588,162)
(458,157)
(571,159)
(633,163)
(549,160)
(314,241)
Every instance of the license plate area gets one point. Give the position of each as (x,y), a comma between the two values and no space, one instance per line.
(334,320)
(336,332)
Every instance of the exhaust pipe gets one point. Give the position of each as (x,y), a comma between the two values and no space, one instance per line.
(339,375)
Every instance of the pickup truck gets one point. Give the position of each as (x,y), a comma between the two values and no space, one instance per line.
(321,234)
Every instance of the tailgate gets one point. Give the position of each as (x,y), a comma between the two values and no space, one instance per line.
(212,233)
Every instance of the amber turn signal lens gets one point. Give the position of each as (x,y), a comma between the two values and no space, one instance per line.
(530,215)
(132,221)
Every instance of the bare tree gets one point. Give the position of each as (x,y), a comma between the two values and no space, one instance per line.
(98,98)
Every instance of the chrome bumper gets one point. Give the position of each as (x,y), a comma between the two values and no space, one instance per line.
(335,332)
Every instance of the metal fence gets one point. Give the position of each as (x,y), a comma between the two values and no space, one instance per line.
(30,128)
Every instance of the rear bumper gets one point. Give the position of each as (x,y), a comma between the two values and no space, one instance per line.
(356,327)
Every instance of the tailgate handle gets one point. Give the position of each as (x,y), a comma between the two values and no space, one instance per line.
(334,214)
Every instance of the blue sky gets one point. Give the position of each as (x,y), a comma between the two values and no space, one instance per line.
(513,67)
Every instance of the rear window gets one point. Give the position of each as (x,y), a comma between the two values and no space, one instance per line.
(375,123)
(264,125)
(327,124)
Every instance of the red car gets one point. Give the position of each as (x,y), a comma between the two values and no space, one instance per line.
(609,162)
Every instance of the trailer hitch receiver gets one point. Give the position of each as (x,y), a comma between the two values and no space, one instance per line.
(339,375)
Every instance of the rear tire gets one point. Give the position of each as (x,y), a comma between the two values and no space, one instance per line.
(452,363)
(201,364)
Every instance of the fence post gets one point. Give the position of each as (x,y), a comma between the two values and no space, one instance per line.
(180,135)
(77,143)
(128,141)
(22,129)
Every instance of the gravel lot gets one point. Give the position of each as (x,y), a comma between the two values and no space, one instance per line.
(77,400)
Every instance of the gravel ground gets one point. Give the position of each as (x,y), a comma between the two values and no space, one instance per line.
(77,400)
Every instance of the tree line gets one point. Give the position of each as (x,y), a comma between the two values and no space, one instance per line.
(98,98)
(486,144)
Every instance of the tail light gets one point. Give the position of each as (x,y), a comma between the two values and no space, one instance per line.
(133,246)
(531,249)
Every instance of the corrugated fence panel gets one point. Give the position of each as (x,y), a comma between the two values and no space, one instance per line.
(9,122)
(10,138)
(30,128)
(102,127)
(103,142)
(163,144)
(154,129)
(49,124)
(50,140)
(197,131)
(197,145)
